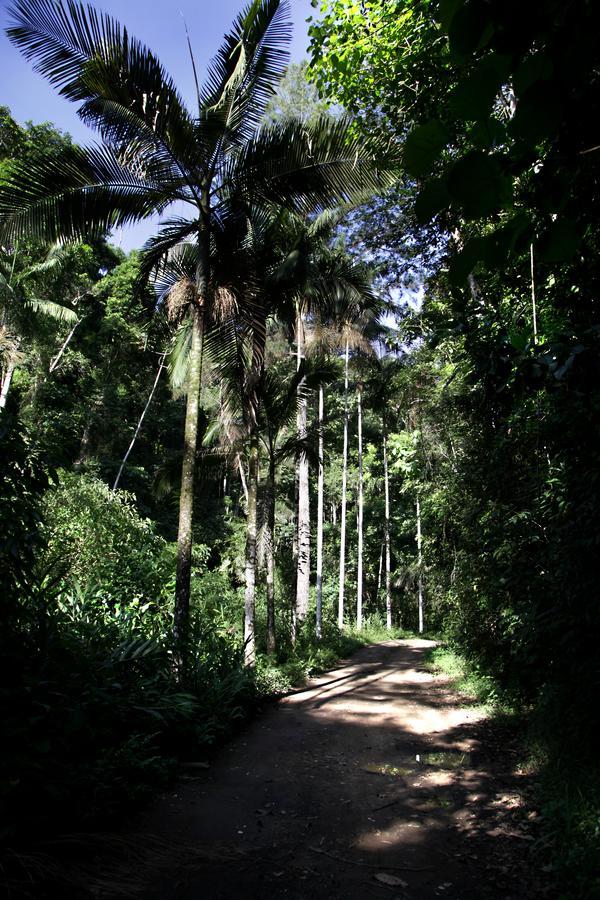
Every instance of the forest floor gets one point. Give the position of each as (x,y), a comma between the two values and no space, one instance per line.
(375,779)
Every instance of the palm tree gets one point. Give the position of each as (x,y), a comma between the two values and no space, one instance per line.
(155,153)
(378,389)
(281,398)
(22,309)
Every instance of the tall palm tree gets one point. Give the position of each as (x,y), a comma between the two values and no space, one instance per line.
(280,401)
(378,388)
(155,152)
(324,285)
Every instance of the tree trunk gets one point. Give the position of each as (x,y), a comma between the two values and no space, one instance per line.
(10,370)
(139,424)
(359,573)
(252,414)
(251,529)
(388,567)
(186,498)
(270,542)
(320,490)
(420,565)
(344,488)
(63,347)
(303,576)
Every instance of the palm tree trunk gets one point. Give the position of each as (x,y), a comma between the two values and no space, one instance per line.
(344,489)
(186,498)
(303,576)
(252,414)
(251,531)
(420,564)
(271,637)
(388,568)
(10,370)
(320,490)
(140,421)
(359,573)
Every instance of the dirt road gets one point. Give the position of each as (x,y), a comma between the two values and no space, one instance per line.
(374,781)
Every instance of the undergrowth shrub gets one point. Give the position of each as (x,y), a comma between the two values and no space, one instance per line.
(96,536)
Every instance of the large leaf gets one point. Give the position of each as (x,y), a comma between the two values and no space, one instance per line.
(470,28)
(432,199)
(474,96)
(477,183)
(560,242)
(423,146)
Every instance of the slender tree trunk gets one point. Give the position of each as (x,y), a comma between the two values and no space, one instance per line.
(186,498)
(359,573)
(139,424)
(320,491)
(388,567)
(342,579)
(533,301)
(252,414)
(251,531)
(420,565)
(303,576)
(271,637)
(379,572)
(10,370)
(64,346)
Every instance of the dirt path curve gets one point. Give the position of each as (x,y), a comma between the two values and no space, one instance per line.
(372,781)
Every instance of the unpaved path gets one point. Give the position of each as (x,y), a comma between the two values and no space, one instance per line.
(374,781)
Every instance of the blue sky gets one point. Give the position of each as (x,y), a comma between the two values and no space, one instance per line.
(158,24)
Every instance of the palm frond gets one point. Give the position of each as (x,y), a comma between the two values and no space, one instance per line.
(311,167)
(246,69)
(53,310)
(80,193)
(90,58)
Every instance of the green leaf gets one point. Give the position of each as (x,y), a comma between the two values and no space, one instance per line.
(488,133)
(470,29)
(537,116)
(464,262)
(560,242)
(446,11)
(432,199)
(474,96)
(538,67)
(423,146)
(478,184)
(518,339)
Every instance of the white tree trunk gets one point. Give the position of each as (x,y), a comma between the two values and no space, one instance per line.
(344,488)
(320,490)
(533,303)
(250,562)
(10,370)
(141,419)
(303,571)
(420,565)
(359,572)
(388,568)
(64,346)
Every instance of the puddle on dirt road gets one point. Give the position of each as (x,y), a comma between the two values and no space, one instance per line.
(444,759)
(385,769)
(441,759)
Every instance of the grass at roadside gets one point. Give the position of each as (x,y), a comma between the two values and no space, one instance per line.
(568,787)
(469,681)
